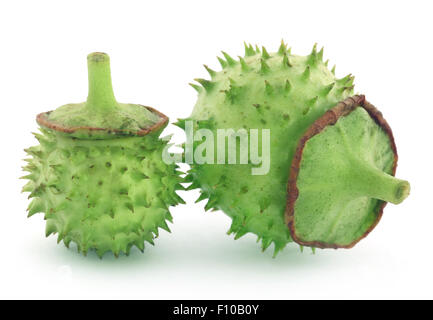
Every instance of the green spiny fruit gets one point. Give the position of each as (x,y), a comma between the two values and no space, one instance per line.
(279,91)
(97,174)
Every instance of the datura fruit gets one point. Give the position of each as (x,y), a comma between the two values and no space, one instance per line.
(98,174)
(332,156)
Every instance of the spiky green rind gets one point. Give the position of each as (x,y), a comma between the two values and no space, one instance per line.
(106,195)
(278,91)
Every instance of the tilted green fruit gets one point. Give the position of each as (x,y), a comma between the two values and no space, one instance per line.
(98,174)
(278,91)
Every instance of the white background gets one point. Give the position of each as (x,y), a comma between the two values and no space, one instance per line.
(156,48)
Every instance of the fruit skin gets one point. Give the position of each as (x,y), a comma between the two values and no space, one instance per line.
(106,195)
(107,191)
(278,91)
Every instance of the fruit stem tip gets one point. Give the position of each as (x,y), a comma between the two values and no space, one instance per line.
(402,191)
(101,97)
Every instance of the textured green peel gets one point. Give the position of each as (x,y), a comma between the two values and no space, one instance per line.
(287,93)
(279,91)
(108,191)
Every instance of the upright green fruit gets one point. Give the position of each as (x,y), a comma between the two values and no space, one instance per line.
(284,93)
(97,174)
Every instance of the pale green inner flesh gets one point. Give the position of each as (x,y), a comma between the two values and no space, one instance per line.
(127,117)
(338,180)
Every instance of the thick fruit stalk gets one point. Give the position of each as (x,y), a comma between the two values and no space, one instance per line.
(366,180)
(101,97)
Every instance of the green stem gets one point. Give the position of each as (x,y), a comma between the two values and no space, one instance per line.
(101,97)
(377,184)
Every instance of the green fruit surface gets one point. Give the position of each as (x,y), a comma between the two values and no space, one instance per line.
(107,195)
(278,91)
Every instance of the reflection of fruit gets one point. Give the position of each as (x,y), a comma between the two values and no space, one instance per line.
(278,91)
(98,174)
